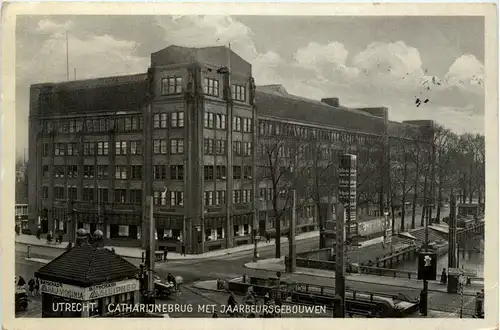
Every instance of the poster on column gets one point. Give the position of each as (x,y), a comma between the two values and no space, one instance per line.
(347,188)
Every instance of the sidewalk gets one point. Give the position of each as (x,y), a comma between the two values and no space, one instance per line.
(132,252)
(279,265)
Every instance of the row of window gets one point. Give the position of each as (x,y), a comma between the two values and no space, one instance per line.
(218,172)
(175,198)
(211,87)
(160,120)
(134,172)
(214,147)
(90,148)
(122,172)
(91,194)
(128,123)
(267,128)
(176,147)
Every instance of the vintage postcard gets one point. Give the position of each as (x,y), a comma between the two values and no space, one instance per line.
(294,162)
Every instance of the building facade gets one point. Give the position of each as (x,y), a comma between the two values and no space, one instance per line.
(188,133)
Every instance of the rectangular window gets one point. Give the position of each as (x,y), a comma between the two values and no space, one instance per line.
(88,194)
(209,198)
(236,196)
(135,196)
(88,171)
(59,149)
(103,148)
(89,148)
(72,171)
(176,172)
(220,121)
(247,125)
(176,198)
(160,120)
(208,172)
(176,146)
(211,87)
(237,148)
(102,171)
(237,172)
(136,147)
(247,150)
(103,195)
(45,171)
(72,193)
(220,197)
(159,198)
(58,171)
(160,147)
(237,124)
(239,93)
(120,172)
(220,147)
(221,172)
(171,85)
(120,195)
(121,148)
(208,120)
(72,149)
(208,146)
(136,172)
(247,172)
(160,172)
(59,192)
(177,119)
(45,150)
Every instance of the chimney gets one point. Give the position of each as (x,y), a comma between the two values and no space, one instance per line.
(331,101)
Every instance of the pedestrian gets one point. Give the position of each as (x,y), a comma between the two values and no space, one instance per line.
(38,232)
(444,277)
(31,286)
(165,253)
(17,229)
(268,237)
(37,287)
(49,237)
(183,249)
(60,237)
(21,282)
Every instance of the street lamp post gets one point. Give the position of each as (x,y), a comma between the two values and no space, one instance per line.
(255,233)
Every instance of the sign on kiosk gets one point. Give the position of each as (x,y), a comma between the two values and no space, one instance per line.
(112,289)
(62,290)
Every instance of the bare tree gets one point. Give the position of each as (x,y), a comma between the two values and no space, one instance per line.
(402,167)
(282,166)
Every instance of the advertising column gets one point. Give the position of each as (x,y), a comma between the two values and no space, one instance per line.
(347,192)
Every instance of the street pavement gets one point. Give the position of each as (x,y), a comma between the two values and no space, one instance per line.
(232,266)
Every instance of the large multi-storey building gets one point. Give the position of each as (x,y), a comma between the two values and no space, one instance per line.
(186,133)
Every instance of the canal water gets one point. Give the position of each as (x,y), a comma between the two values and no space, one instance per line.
(471,257)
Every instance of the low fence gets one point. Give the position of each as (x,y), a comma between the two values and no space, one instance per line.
(319,254)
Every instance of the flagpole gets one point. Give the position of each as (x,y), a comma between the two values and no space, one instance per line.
(67,57)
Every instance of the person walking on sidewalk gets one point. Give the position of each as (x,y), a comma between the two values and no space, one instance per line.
(183,249)
(165,254)
(268,237)
(444,277)
(37,287)
(38,232)
(31,286)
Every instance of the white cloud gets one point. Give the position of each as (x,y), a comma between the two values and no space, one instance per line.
(48,26)
(466,71)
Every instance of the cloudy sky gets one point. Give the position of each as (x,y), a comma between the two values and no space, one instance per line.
(365,61)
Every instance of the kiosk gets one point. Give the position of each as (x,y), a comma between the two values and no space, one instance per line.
(85,280)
